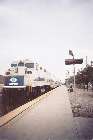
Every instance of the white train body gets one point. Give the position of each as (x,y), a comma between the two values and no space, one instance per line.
(29,76)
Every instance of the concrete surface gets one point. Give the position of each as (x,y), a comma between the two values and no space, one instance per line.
(6,118)
(51,119)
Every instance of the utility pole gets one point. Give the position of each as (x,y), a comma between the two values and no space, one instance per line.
(91,63)
(86,61)
(74,73)
(71,53)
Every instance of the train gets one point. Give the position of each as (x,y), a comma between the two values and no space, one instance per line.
(28,78)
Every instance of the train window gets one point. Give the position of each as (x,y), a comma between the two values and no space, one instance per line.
(37,66)
(39,79)
(13,65)
(40,68)
(44,70)
(28,72)
(42,79)
(29,65)
(16,70)
(21,63)
(7,73)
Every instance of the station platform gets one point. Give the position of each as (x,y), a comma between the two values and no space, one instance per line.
(50,119)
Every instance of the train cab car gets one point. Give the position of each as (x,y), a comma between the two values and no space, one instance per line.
(26,76)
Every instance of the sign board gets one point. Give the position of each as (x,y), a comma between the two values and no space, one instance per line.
(73,61)
(14,81)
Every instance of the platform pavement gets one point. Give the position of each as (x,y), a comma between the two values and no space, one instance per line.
(50,119)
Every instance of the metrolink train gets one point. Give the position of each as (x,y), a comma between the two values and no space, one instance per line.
(27,78)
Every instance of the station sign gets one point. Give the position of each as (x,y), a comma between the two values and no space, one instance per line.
(73,61)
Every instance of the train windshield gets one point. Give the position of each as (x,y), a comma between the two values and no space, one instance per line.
(13,65)
(21,63)
(29,65)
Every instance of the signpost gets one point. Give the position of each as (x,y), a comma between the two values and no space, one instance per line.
(73,62)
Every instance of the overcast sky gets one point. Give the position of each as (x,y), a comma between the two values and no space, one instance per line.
(45,30)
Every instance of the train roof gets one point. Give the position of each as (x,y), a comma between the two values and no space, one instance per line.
(24,61)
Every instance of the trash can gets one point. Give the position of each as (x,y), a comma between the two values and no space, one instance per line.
(71,89)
